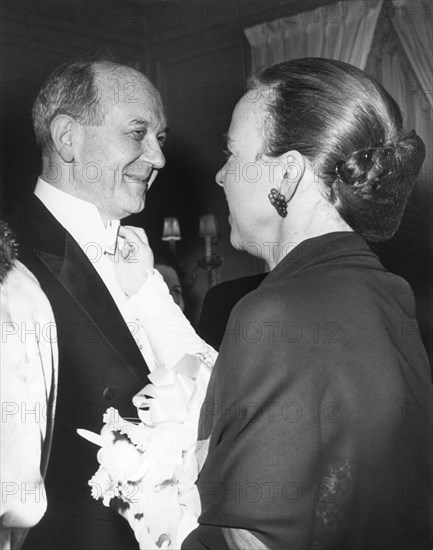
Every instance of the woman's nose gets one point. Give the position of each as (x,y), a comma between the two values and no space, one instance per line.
(219,178)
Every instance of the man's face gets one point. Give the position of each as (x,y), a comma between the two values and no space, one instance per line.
(115,164)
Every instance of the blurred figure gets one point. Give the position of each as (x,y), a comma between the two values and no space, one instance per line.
(165,262)
(171,279)
(29,361)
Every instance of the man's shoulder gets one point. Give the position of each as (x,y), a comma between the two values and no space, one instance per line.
(37,232)
(27,210)
(33,223)
(20,220)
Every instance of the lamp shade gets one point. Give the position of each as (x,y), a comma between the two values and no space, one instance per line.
(208,226)
(171,231)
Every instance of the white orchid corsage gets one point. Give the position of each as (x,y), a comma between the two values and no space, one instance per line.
(151,465)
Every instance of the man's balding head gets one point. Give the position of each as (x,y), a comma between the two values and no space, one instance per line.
(81,90)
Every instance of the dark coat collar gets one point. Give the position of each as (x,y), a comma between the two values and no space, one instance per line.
(330,247)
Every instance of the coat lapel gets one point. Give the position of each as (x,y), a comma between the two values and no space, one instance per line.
(61,254)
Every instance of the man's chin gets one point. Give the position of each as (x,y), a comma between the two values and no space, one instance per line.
(133,207)
(138,207)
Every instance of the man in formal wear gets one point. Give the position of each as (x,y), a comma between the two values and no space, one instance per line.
(100,127)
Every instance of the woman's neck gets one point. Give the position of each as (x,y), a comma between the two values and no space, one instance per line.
(314,221)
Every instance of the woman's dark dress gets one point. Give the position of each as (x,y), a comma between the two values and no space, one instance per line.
(320,407)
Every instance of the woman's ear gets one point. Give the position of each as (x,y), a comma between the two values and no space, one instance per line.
(293,169)
(61,134)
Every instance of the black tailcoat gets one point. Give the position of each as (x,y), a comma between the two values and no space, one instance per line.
(100,366)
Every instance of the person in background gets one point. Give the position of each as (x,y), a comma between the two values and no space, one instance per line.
(29,363)
(171,275)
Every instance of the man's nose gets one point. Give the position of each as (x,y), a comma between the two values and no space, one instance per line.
(153,155)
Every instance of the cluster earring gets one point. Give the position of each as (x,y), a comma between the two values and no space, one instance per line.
(278,201)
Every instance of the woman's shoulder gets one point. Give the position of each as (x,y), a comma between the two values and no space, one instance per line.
(328,294)
(268,298)
(290,294)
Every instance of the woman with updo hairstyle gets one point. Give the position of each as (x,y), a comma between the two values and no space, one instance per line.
(351,128)
(319,405)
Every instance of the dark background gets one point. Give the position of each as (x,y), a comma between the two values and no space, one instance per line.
(196,54)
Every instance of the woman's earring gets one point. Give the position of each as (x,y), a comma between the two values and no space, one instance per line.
(278,201)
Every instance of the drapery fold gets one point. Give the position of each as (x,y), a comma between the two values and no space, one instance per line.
(396,72)
(341,31)
(414,28)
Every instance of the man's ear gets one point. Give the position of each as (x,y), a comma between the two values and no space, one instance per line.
(61,134)
(293,169)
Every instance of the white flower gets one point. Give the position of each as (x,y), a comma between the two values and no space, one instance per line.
(119,459)
(153,465)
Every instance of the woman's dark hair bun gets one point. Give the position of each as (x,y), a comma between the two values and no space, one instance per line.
(368,169)
(365,169)
(373,185)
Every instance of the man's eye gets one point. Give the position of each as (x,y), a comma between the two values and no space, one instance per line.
(162,139)
(138,134)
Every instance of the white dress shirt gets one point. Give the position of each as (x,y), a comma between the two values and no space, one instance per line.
(83,221)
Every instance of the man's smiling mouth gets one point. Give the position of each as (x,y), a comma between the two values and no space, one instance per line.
(143,180)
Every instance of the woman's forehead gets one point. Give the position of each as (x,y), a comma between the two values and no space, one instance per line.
(247,116)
